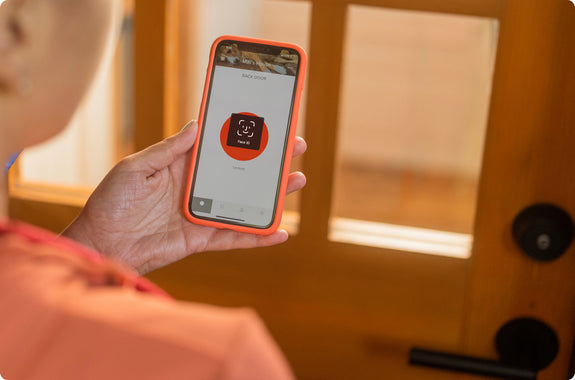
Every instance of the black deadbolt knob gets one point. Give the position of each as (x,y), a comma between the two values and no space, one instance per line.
(543,231)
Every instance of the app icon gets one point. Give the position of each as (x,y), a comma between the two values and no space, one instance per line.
(202,204)
(245,131)
(244,136)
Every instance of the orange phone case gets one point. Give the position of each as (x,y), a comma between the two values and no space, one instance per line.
(289,147)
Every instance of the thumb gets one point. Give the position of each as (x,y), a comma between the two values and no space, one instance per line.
(162,154)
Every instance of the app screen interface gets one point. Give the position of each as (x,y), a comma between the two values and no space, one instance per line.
(245,130)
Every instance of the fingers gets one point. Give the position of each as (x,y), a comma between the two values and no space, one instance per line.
(300,146)
(162,154)
(190,123)
(296,181)
(228,239)
(278,237)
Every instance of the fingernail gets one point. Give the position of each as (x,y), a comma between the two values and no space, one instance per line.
(187,125)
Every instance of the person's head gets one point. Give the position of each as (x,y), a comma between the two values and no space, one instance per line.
(49,53)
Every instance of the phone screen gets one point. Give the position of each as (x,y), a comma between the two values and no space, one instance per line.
(244,134)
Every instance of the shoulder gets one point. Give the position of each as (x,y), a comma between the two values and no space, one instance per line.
(61,314)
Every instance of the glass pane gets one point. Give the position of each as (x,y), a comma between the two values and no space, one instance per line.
(100,132)
(413,114)
(280,20)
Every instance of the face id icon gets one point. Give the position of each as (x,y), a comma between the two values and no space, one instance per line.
(244,136)
(245,131)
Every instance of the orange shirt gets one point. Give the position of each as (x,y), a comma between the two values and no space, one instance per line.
(67,313)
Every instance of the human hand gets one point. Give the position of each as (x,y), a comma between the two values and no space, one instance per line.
(135,214)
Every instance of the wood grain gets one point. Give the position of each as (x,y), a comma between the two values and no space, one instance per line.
(150,72)
(326,50)
(528,156)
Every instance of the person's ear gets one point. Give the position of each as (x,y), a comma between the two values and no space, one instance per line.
(13,46)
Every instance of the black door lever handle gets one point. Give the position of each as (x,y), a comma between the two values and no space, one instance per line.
(525,346)
(465,364)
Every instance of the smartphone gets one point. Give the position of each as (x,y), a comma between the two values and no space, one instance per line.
(240,162)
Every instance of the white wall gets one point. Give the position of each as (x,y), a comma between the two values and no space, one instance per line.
(83,153)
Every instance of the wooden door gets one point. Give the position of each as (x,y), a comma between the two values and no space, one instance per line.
(351,311)
(528,152)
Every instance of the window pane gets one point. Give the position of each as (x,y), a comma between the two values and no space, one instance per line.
(100,132)
(414,106)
